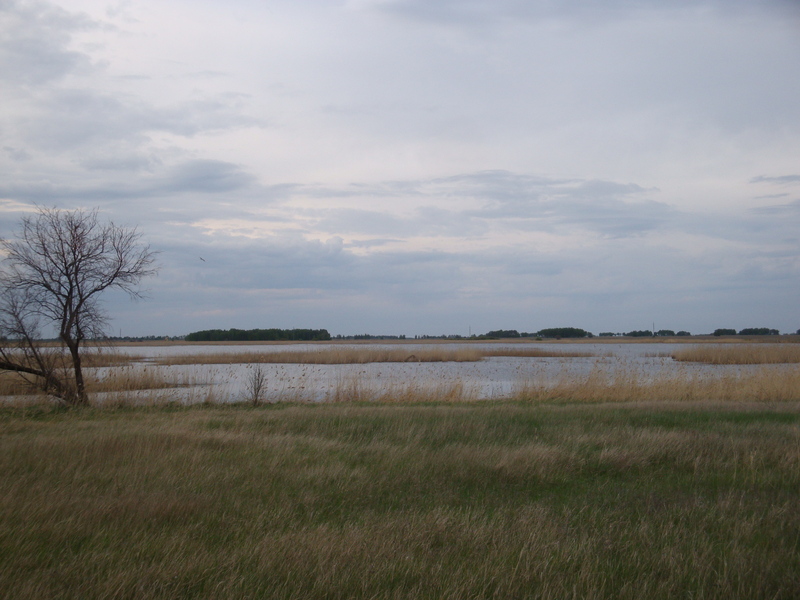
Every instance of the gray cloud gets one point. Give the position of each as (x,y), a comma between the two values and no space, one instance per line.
(206,176)
(780,179)
(291,264)
(571,162)
(779,209)
(72,118)
(34,40)
(484,11)
(195,176)
(524,202)
(123,160)
(608,207)
(373,243)
(17,154)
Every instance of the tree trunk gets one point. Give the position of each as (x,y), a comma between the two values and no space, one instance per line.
(81,398)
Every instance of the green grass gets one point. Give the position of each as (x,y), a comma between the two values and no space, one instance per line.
(478,500)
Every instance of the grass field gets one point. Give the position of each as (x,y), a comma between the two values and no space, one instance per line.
(459,500)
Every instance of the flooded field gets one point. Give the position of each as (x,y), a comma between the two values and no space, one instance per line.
(487,378)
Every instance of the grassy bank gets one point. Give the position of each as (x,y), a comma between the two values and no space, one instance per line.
(479,500)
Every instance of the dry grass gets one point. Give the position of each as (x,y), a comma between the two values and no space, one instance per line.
(484,500)
(521,352)
(139,377)
(120,385)
(767,384)
(353,389)
(363,355)
(12,384)
(96,356)
(746,354)
(328,356)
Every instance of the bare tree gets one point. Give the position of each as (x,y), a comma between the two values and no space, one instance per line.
(255,384)
(54,274)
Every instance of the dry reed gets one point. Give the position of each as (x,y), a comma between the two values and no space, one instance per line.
(110,380)
(354,389)
(744,354)
(521,352)
(13,384)
(140,377)
(329,356)
(91,356)
(364,355)
(767,384)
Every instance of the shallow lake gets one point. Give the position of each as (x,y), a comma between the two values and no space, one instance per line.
(494,377)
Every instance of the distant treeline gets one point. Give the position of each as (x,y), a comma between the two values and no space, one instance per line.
(553,332)
(259,335)
(141,338)
(646,333)
(369,336)
(749,331)
(312,335)
(574,332)
(671,333)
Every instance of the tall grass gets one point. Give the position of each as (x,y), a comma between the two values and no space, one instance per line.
(449,501)
(91,356)
(354,389)
(137,377)
(522,352)
(18,384)
(363,355)
(745,354)
(150,385)
(328,356)
(108,380)
(767,384)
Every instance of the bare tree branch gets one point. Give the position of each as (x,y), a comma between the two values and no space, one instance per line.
(56,271)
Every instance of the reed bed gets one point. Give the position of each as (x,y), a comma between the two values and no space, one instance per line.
(766,384)
(329,356)
(353,389)
(12,384)
(138,377)
(519,352)
(150,386)
(364,355)
(121,384)
(92,356)
(105,357)
(447,501)
(745,354)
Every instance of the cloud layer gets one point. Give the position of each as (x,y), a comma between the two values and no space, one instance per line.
(421,167)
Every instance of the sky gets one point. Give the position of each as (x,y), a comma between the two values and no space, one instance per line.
(420,167)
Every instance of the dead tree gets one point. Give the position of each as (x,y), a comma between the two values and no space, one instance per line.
(54,273)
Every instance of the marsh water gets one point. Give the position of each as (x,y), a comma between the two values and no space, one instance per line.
(494,377)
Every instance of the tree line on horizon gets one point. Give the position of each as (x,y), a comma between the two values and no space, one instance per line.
(259,335)
(749,331)
(575,332)
(315,335)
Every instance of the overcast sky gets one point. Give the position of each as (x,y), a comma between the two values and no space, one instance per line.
(420,166)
